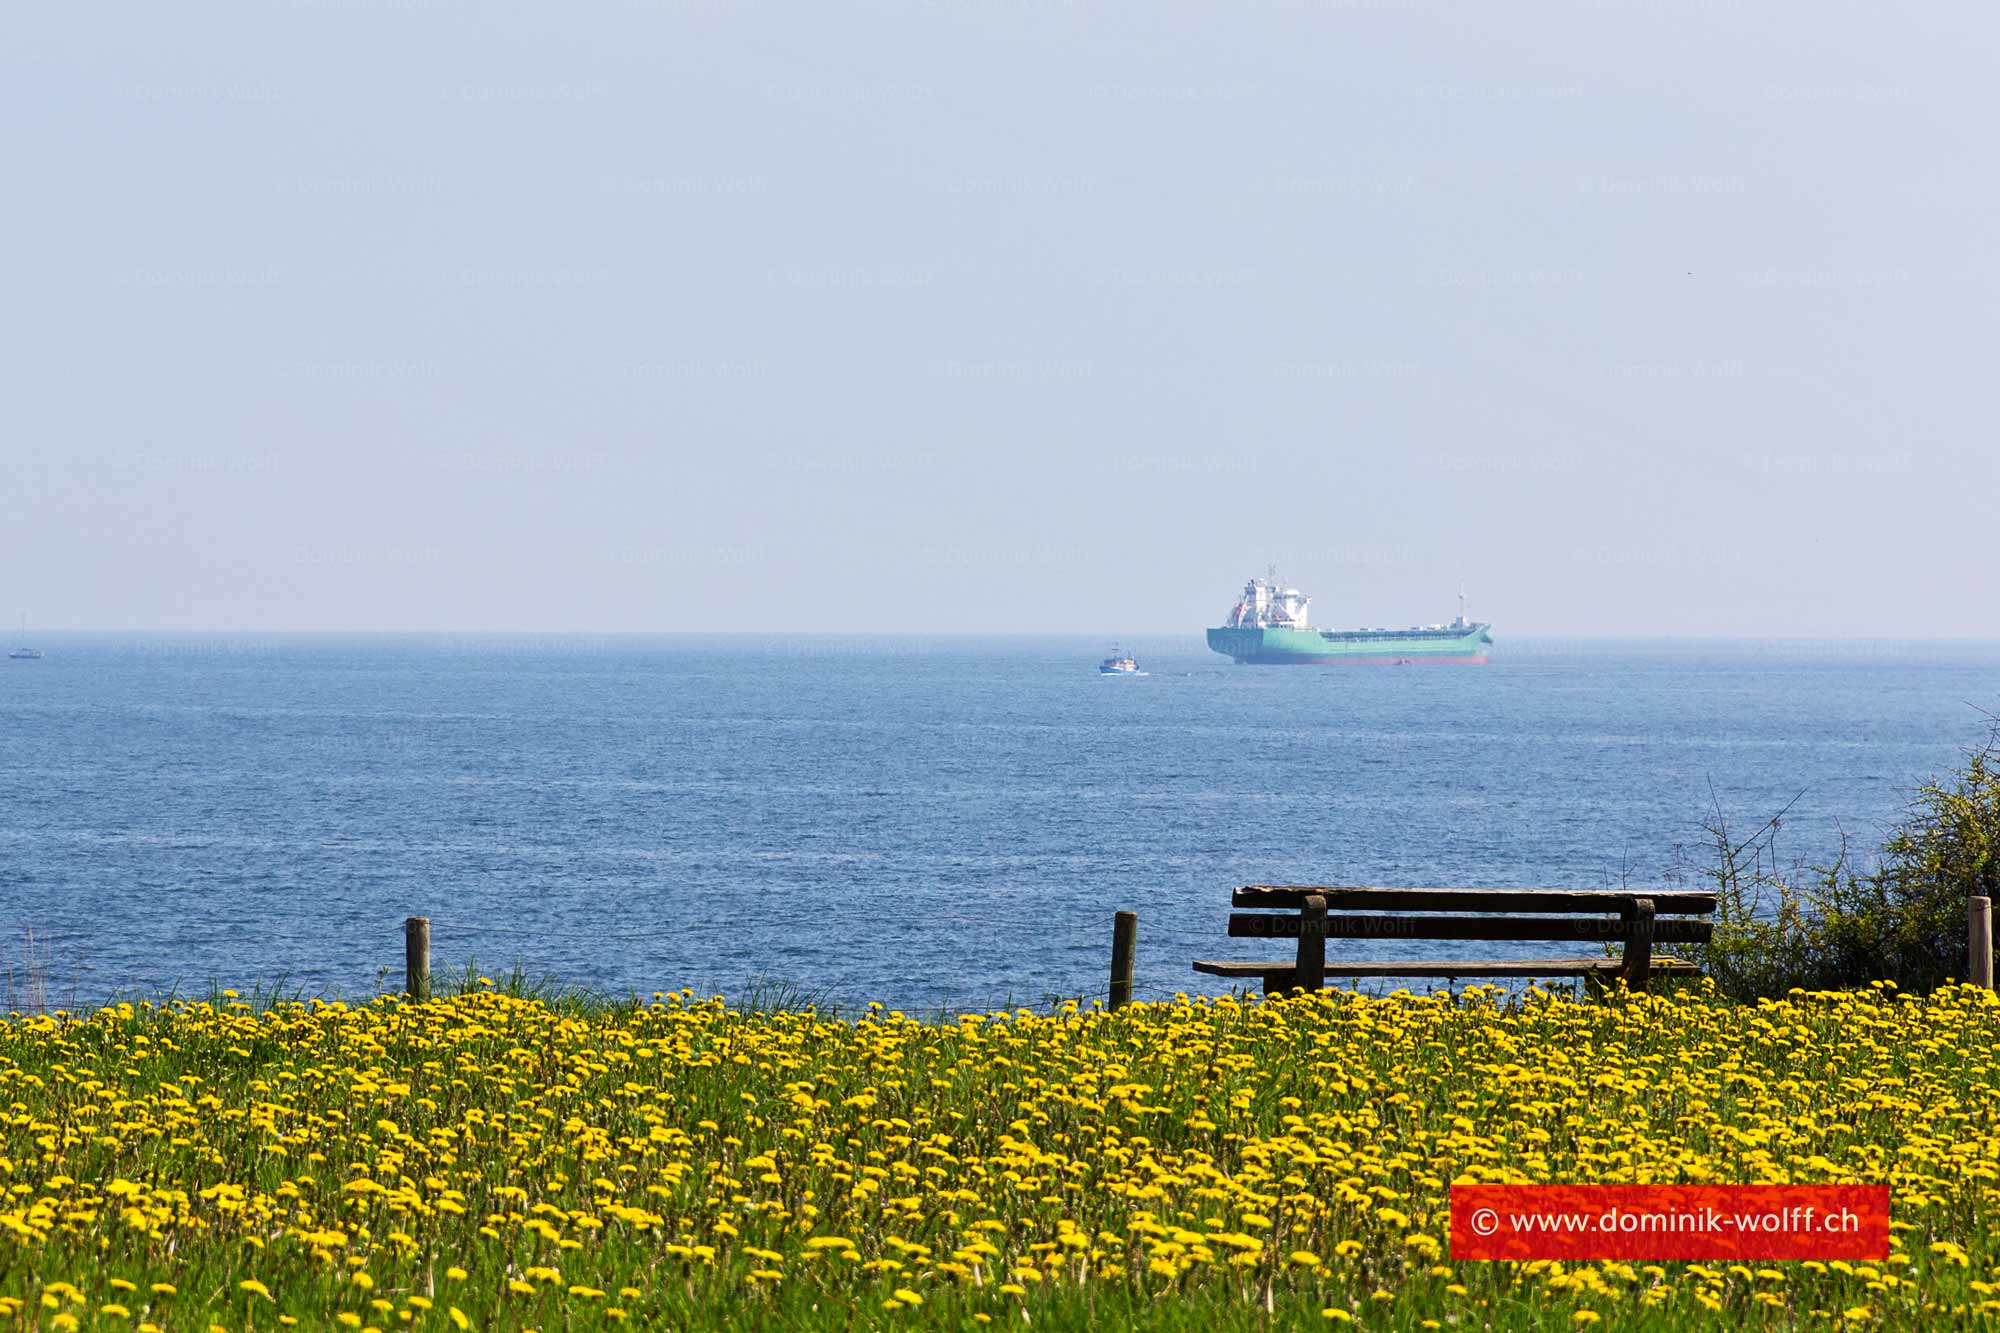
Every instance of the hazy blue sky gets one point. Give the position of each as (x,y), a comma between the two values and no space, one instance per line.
(1634,317)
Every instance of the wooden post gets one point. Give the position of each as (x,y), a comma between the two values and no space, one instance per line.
(1979,942)
(1638,944)
(1309,972)
(1124,944)
(417,957)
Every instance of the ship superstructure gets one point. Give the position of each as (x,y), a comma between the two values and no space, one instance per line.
(1271,625)
(1268,604)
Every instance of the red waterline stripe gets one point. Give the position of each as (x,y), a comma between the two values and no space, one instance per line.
(1363,661)
(1669,1221)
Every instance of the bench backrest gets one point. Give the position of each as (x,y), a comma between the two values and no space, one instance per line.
(1472,914)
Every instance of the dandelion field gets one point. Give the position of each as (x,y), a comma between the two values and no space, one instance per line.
(488,1161)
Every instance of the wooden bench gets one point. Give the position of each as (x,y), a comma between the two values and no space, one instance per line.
(1312,915)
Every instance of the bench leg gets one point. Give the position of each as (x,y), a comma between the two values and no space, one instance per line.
(1309,971)
(1638,961)
(1279,981)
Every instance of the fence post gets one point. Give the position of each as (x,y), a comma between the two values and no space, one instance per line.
(417,957)
(1979,942)
(1124,944)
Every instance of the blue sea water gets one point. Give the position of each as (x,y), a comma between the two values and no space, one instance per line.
(928,822)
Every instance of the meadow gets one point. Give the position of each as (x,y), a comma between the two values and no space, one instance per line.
(490,1160)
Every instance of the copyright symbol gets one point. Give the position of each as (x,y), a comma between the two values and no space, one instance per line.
(1484,1221)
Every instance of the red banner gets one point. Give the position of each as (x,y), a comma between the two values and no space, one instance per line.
(1669,1221)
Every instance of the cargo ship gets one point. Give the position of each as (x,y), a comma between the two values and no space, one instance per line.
(1271,626)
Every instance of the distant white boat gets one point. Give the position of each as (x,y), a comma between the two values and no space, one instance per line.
(22,652)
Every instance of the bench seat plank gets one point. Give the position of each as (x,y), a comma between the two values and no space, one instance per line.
(1366,899)
(1522,967)
(1266,926)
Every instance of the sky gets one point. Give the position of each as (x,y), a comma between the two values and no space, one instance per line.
(999,316)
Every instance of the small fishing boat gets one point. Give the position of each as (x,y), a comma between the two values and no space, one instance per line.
(1120,663)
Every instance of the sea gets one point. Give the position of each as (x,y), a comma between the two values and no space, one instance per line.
(934,824)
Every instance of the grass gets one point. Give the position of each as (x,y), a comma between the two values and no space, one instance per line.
(25,984)
(529,1156)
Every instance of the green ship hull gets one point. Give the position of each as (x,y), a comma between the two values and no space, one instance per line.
(1318,647)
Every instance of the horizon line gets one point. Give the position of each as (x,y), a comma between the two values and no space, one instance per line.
(518,631)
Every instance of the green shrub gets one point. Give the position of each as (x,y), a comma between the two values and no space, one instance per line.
(1901,918)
